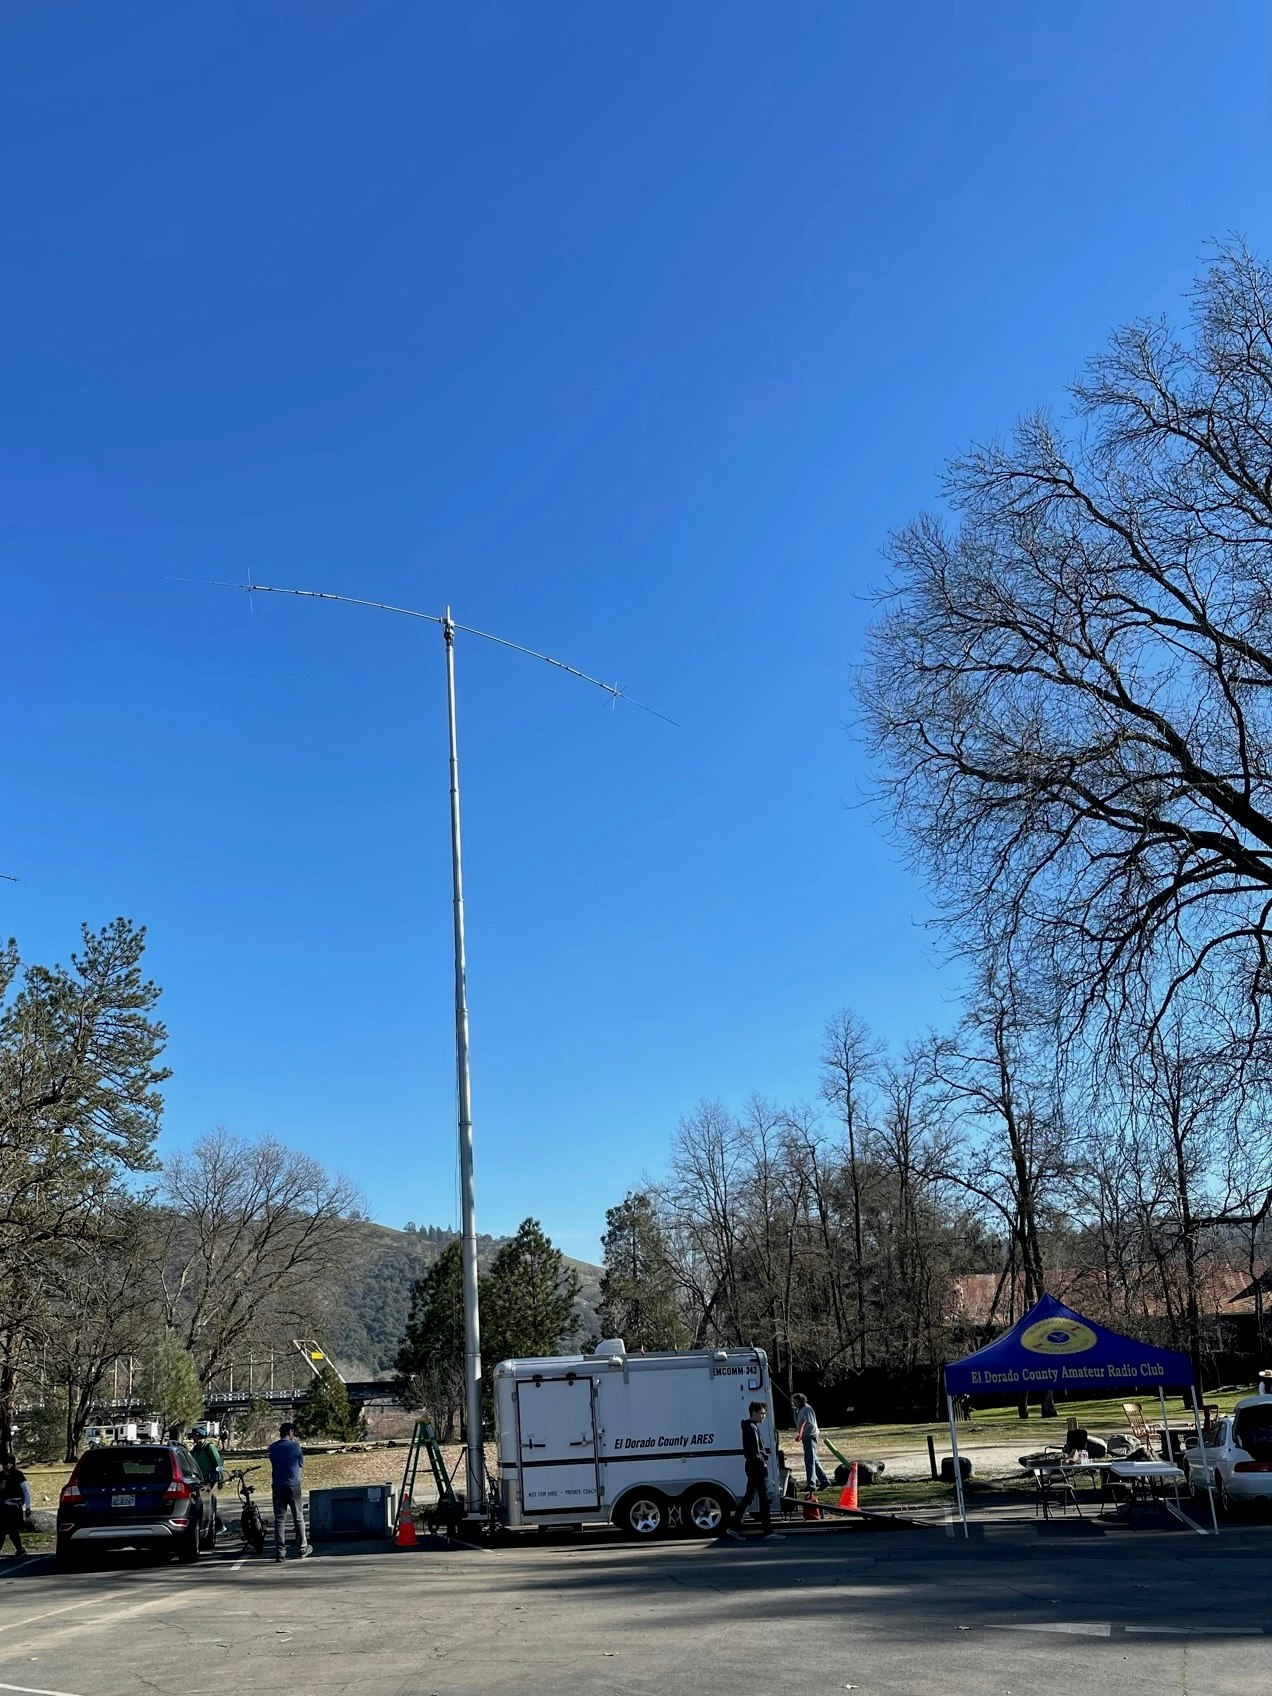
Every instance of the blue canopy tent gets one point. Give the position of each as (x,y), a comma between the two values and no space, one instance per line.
(1053,1348)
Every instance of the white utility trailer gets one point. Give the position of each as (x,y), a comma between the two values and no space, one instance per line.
(649,1442)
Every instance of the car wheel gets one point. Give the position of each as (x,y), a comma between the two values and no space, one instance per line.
(643,1515)
(705,1511)
(67,1557)
(188,1547)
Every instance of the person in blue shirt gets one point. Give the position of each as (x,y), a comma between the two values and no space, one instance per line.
(286,1459)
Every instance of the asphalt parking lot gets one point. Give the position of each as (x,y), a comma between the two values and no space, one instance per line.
(829,1610)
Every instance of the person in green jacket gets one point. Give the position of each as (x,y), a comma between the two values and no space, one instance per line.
(207,1457)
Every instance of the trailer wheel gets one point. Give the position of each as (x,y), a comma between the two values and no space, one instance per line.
(705,1511)
(642,1515)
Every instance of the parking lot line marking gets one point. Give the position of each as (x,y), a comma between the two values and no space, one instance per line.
(1196,1630)
(1071,1628)
(27,1690)
(1094,1629)
(238,1564)
(70,1607)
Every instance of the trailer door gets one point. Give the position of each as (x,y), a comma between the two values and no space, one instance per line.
(556,1433)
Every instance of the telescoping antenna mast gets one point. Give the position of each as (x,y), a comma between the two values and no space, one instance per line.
(476,1474)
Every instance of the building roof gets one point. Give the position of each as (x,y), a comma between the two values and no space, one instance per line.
(979,1298)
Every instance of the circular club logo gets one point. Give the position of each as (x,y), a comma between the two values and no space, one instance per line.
(1058,1336)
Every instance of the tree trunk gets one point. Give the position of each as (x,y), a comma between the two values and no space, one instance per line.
(858,1250)
(1188,1231)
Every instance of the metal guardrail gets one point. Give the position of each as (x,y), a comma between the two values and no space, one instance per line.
(378,1390)
(370,1390)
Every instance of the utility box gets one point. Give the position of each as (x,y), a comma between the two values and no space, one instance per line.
(355,1511)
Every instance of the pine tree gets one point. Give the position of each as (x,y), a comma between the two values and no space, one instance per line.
(430,1359)
(325,1411)
(638,1287)
(527,1299)
(169,1383)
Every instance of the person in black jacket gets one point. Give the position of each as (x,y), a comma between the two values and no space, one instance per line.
(755,1460)
(15,1503)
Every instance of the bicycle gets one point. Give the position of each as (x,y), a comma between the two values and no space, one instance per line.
(251,1525)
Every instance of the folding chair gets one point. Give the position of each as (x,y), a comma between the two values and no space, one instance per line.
(1053,1488)
(1139,1426)
(1075,1440)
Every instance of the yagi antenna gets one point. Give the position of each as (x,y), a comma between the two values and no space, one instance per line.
(475,1499)
(611,689)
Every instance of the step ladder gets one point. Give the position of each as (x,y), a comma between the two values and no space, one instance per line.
(447,1513)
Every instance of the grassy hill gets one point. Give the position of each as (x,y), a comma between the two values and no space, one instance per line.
(363,1331)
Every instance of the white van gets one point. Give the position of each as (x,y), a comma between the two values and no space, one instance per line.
(649,1442)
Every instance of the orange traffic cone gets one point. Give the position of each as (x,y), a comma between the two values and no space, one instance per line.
(812,1507)
(404,1532)
(849,1498)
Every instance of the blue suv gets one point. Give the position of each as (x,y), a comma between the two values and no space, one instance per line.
(134,1495)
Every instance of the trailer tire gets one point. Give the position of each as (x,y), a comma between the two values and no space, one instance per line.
(705,1510)
(643,1515)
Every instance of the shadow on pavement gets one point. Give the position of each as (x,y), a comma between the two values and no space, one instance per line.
(1144,1581)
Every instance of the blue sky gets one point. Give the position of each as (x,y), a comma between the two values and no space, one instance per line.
(631,331)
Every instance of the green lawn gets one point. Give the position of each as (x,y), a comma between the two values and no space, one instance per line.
(900,1493)
(857,1442)
(322,1472)
(1003,1425)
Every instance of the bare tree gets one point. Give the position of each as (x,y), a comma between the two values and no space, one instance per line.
(100,1305)
(773,1216)
(910,1148)
(703,1195)
(1013,1153)
(1071,691)
(830,1330)
(849,1062)
(1204,1164)
(256,1237)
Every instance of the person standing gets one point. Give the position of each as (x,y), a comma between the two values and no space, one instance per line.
(15,1504)
(755,1461)
(286,1459)
(207,1457)
(808,1431)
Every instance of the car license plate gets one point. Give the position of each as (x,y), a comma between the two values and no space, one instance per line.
(123,1501)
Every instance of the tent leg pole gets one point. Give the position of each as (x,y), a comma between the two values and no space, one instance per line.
(1168,1452)
(1210,1487)
(958,1470)
(1161,1396)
